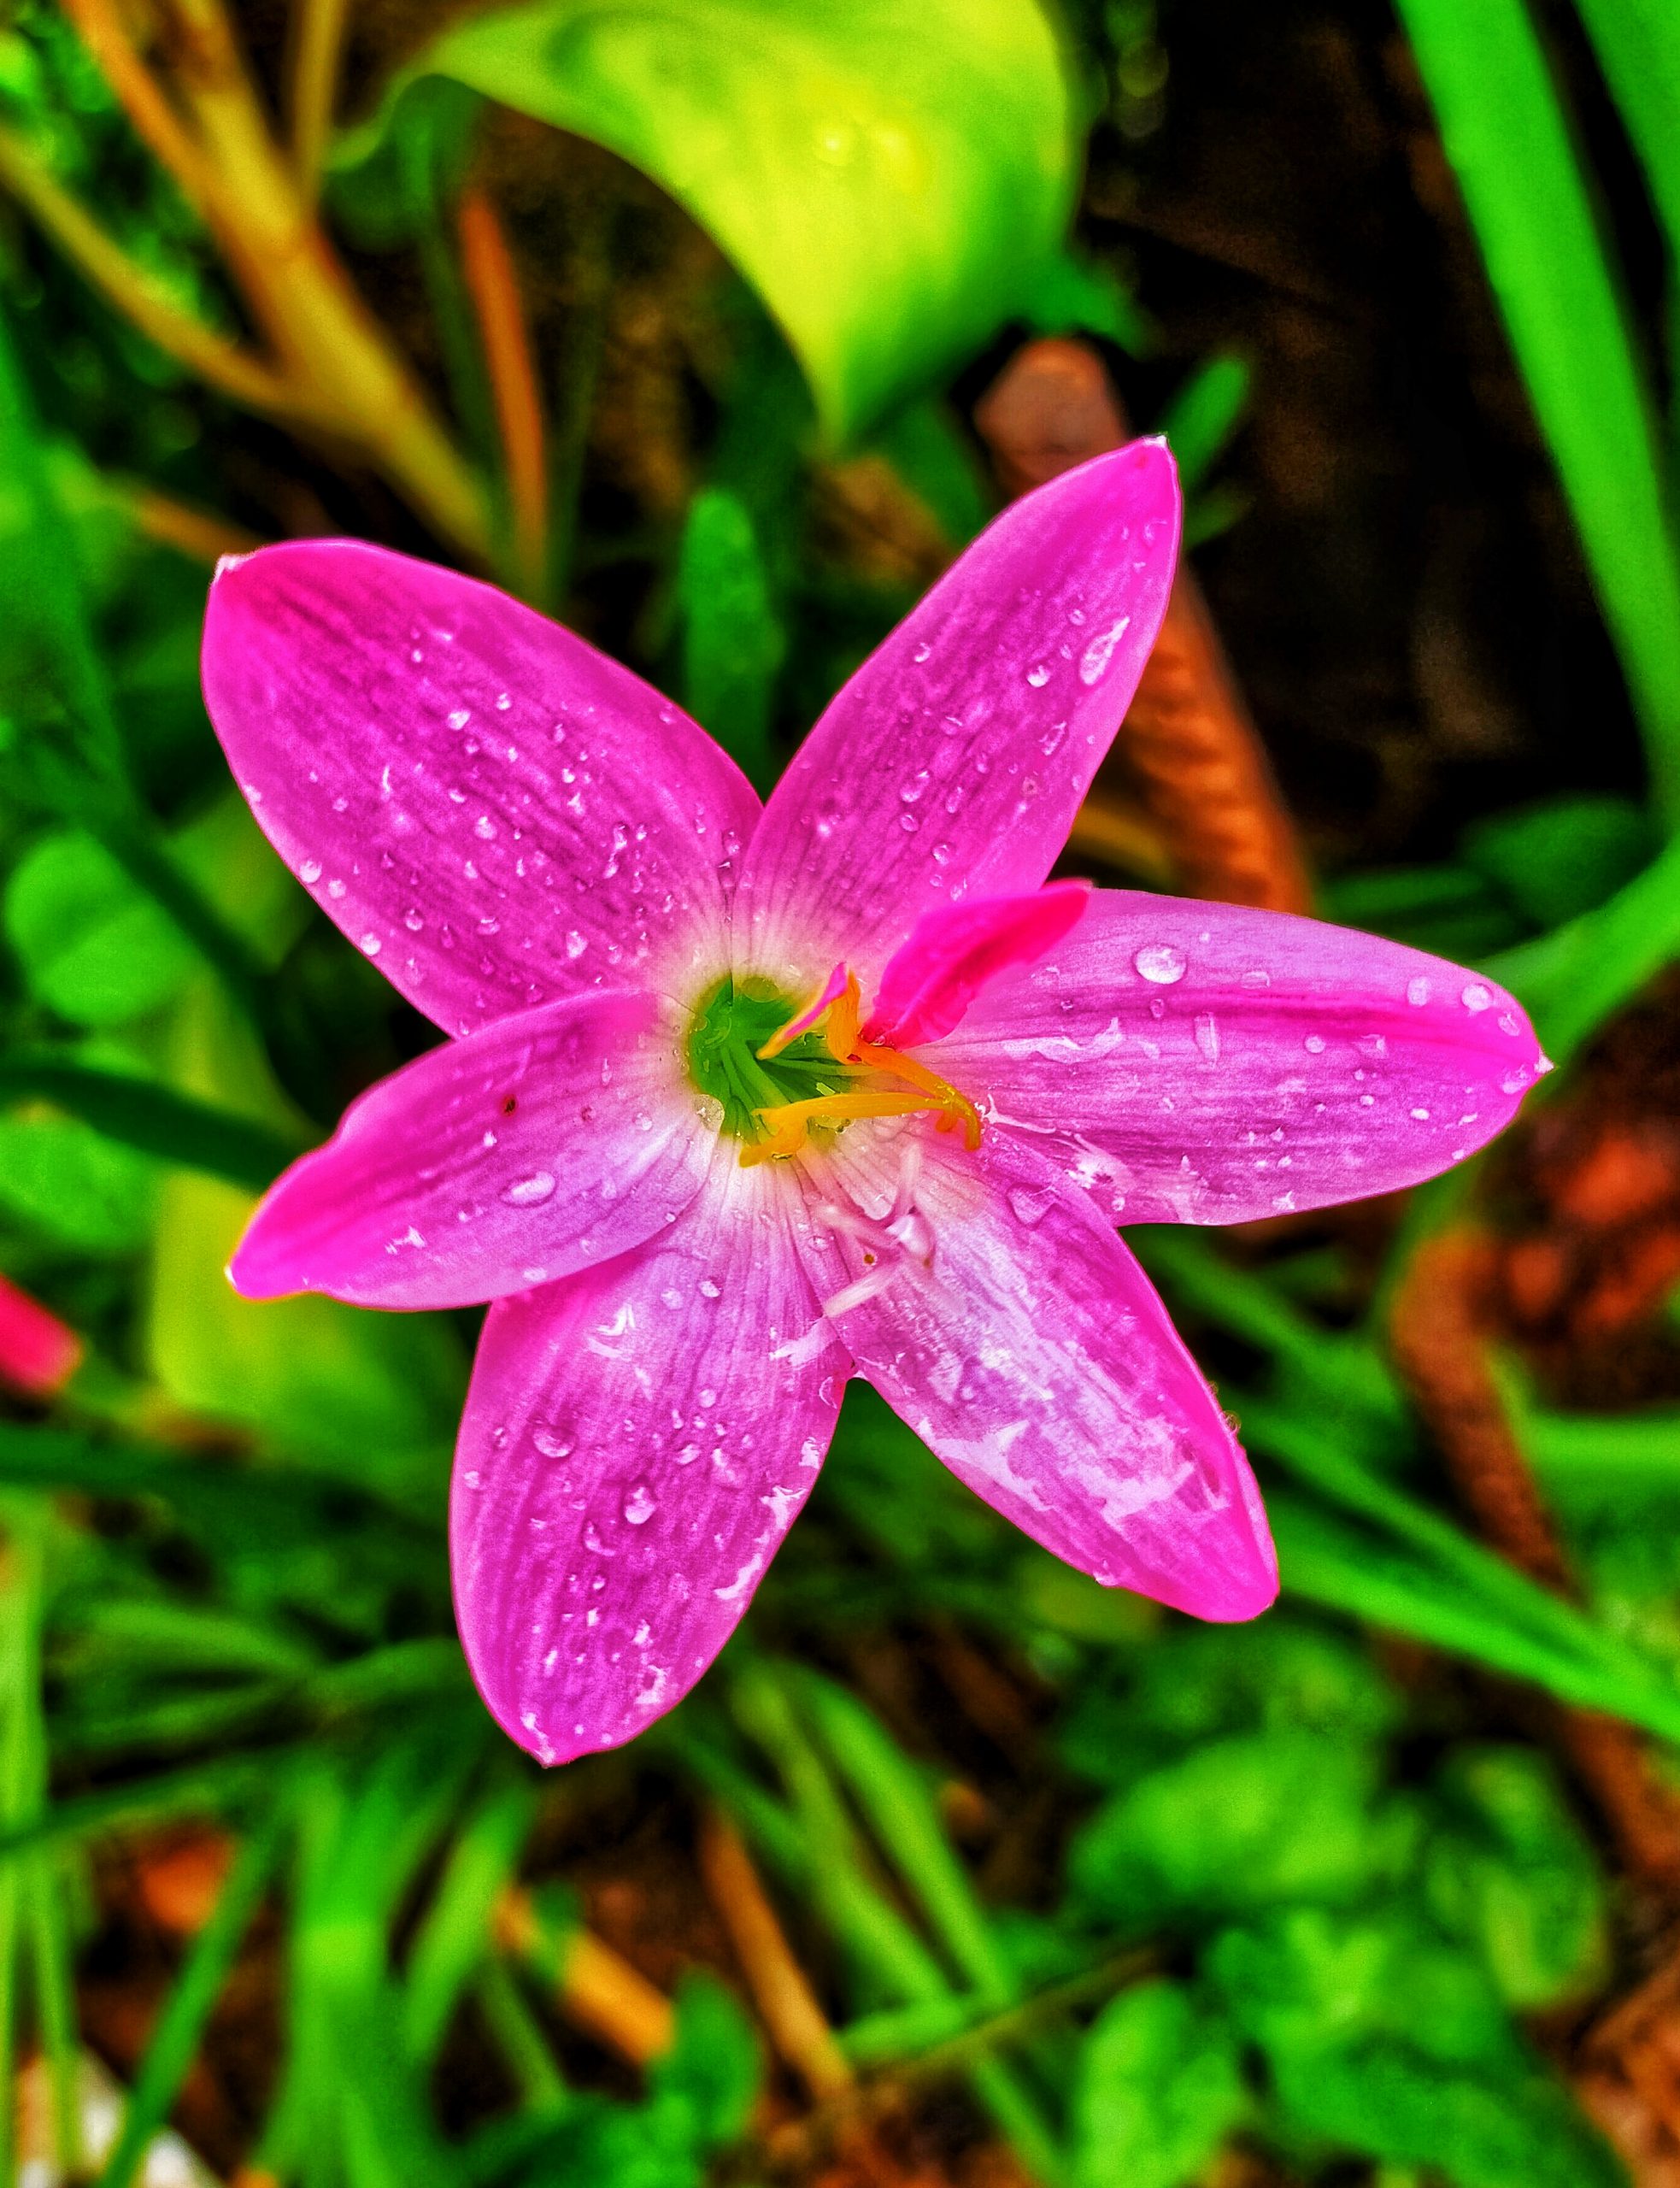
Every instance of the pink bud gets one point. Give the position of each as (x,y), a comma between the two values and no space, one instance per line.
(38,1353)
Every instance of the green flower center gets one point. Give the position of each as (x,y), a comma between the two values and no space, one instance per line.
(731,1025)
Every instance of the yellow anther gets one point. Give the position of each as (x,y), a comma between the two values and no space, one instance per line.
(837,1006)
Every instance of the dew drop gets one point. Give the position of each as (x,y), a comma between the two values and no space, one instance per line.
(1038,675)
(549,1442)
(1476,997)
(1207,1037)
(1030,1205)
(1418,990)
(309,871)
(371,945)
(639,1504)
(1314,1044)
(530,1192)
(1162,963)
(1094,661)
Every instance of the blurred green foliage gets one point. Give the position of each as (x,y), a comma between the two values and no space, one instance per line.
(1292,1889)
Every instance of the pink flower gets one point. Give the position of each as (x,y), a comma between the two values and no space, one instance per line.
(38,1353)
(740,1103)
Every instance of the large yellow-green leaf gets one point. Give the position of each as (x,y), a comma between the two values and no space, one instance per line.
(890,179)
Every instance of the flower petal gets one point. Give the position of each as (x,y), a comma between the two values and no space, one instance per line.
(957,949)
(952,762)
(1206,1063)
(636,1445)
(496,812)
(1003,1320)
(538,1146)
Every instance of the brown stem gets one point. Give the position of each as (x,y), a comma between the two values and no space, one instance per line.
(221,364)
(337,366)
(1439,1330)
(492,283)
(600,1991)
(1191,743)
(786,2003)
(199,534)
(155,121)
(317,43)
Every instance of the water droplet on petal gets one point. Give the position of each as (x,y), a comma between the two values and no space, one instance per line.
(1038,675)
(371,945)
(640,1504)
(549,1442)
(1160,962)
(1029,1204)
(1418,990)
(530,1192)
(309,871)
(1476,997)
(1207,1037)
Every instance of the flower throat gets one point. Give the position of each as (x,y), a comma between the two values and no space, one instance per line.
(780,1070)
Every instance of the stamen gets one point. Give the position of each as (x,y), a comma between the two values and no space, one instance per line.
(837,1008)
(838,1000)
(788,1122)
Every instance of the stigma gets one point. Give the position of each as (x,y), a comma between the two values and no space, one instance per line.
(880,1082)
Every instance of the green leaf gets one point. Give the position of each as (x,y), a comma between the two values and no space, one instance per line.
(1383,2040)
(1196,1683)
(92,947)
(1071,295)
(1509,1872)
(890,193)
(1573,978)
(714,2067)
(1557,286)
(1239,1823)
(1556,861)
(150,1118)
(1638,47)
(1203,415)
(71,1184)
(1157,2090)
(733,642)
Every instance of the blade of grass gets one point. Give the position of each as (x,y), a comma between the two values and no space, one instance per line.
(455,1938)
(175,2041)
(146,1114)
(890,1790)
(1572,980)
(1557,286)
(1638,47)
(1329,1563)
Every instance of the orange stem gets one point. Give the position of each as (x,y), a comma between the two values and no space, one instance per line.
(492,282)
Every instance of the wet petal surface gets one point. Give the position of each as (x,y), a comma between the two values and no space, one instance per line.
(541,1144)
(1205,1063)
(1002,1320)
(636,1445)
(952,762)
(496,813)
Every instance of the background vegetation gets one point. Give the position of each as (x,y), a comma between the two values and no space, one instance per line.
(716,326)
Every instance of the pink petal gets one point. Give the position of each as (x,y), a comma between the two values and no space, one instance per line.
(38,1353)
(1205,1063)
(636,1445)
(957,949)
(954,761)
(496,812)
(547,1142)
(1003,1320)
